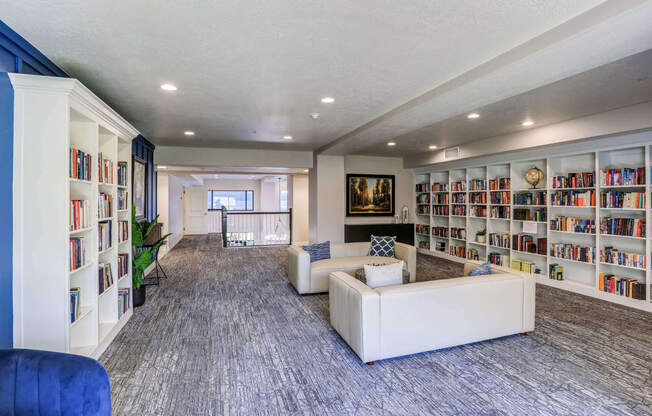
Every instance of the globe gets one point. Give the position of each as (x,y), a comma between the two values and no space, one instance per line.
(534,176)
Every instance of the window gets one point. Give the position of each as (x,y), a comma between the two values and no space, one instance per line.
(232,200)
(284,200)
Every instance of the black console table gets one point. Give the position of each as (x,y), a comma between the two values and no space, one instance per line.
(354,233)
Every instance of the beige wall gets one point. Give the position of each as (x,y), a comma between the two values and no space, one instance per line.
(298,195)
(169,198)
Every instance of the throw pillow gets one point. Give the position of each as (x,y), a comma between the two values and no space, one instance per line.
(320,251)
(385,275)
(481,270)
(382,246)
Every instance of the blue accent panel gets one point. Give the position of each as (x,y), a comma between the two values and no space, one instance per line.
(18,55)
(6,201)
(144,149)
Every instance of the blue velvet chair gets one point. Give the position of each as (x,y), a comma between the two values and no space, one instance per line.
(49,383)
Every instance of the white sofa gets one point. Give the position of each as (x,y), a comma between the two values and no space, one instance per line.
(309,277)
(392,321)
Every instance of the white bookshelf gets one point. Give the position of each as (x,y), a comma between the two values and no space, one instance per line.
(579,277)
(51,116)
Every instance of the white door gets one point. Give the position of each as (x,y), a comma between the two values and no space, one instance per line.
(196,211)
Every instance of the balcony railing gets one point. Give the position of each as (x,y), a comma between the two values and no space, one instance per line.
(247,228)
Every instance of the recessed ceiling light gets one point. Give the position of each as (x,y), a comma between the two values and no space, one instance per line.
(328,100)
(314,116)
(287,137)
(528,123)
(432,147)
(189,133)
(391,143)
(168,87)
(473,115)
(161,167)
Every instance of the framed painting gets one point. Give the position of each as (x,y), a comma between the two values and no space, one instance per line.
(139,186)
(369,195)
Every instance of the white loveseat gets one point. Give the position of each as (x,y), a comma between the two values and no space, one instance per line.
(309,277)
(392,321)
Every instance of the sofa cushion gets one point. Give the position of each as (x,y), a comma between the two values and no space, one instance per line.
(382,246)
(320,251)
(384,275)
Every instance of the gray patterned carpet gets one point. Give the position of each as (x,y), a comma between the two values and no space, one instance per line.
(227,335)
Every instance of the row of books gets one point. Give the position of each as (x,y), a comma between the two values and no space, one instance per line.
(123,199)
(80,214)
(556,272)
(478,198)
(123,231)
(458,251)
(104,205)
(499,239)
(498,259)
(123,264)
(440,199)
(621,286)
(500,183)
(500,198)
(423,198)
(478,211)
(105,277)
(424,244)
(105,169)
(573,198)
(440,210)
(421,187)
(631,227)
(538,215)
(439,187)
(77,253)
(530,198)
(459,210)
(423,209)
(573,252)
(458,186)
(619,199)
(440,231)
(75,304)
(421,229)
(124,301)
(79,166)
(572,224)
(473,254)
(477,185)
(459,233)
(104,235)
(458,198)
(574,180)
(527,244)
(524,266)
(624,176)
(614,256)
(122,173)
(500,212)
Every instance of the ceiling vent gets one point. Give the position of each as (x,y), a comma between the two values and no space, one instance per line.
(452,153)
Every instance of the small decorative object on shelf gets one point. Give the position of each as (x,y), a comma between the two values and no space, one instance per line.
(556,272)
(405,214)
(534,176)
(481,236)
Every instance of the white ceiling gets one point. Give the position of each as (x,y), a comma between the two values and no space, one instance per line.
(250,72)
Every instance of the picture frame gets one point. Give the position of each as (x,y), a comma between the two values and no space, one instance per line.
(370,195)
(139,186)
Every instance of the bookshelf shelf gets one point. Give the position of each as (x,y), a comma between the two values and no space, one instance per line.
(571,177)
(75,128)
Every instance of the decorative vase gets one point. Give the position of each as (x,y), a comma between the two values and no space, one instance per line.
(480,239)
(139,296)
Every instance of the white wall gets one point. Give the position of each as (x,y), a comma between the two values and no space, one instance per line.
(169,196)
(202,156)
(298,198)
(269,195)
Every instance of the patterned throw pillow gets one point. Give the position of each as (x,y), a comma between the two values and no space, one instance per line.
(321,251)
(382,246)
(481,270)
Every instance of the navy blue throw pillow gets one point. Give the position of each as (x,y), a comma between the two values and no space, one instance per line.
(382,246)
(481,270)
(321,251)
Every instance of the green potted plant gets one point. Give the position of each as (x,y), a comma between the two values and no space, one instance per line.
(142,256)
(480,236)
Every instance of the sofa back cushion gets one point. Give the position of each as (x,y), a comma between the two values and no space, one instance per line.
(382,246)
(320,251)
(349,249)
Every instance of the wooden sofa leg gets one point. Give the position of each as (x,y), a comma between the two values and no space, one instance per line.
(524,333)
(370,363)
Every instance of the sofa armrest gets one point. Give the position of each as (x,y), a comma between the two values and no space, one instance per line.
(355,314)
(408,254)
(299,269)
(529,301)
